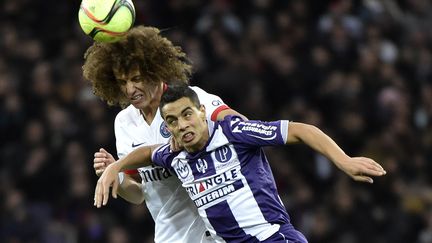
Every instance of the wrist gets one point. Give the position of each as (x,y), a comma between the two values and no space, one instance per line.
(341,159)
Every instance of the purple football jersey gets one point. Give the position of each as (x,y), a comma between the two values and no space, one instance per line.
(231,183)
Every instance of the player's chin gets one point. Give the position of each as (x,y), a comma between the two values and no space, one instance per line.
(140,104)
(189,144)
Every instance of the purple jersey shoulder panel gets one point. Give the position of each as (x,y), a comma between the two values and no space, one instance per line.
(162,156)
(254,133)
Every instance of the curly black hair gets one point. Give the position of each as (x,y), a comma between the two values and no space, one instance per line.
(157,58)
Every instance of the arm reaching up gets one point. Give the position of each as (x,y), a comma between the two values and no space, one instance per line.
(129,188)
(358,168)
(137,158)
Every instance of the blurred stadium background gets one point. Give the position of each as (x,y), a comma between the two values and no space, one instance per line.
(360,70)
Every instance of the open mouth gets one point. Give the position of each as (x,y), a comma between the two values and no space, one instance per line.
(136,97)
(187,137)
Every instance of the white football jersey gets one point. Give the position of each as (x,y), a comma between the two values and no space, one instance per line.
(175,215)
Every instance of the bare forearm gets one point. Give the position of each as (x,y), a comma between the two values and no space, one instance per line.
(140,157)
(317,140)
(131,190)
(358,168)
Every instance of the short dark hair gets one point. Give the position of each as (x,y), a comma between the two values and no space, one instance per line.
(177,91)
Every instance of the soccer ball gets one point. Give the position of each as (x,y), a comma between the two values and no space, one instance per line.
(106,20)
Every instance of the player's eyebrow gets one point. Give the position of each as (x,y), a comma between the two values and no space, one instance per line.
(183,111)
(134,78)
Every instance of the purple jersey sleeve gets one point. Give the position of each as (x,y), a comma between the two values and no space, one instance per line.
(255,133)
(162,156)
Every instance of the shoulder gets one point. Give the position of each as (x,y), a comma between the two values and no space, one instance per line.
(198,90)
(229,123)
(231,120)
(212,102)
(162,154)
(127,115)
(162,149)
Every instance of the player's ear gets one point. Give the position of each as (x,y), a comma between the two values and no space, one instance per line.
(162,114)
(202,112)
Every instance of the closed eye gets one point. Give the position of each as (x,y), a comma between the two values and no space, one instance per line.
(137,79)
(121,81)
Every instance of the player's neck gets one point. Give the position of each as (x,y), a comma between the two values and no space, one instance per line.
(150,111)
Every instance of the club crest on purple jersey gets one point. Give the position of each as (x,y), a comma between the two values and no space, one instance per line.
(223,154)
(201,165)
(164,130)
(181,168)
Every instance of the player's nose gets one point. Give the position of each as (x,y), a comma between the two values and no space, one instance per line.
(182,124)
(130,88)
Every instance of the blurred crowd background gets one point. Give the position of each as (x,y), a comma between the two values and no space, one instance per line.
(359,70)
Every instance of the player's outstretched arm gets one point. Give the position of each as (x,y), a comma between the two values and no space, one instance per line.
(129,187)
(358,168)
(138,158)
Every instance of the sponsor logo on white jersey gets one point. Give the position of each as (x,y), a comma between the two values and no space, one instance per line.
(134,145)
(216,187)
(216,194)
(214,182)
(154,174)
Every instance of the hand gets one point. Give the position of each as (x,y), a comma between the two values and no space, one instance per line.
(362,168)
(101,160)
(108,178)
(174,145)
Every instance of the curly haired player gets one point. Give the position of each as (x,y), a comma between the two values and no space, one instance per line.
(133,73)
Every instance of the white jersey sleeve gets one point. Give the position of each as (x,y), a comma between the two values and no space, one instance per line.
(127,137)
(123,148)
(130,132)
(213,103)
